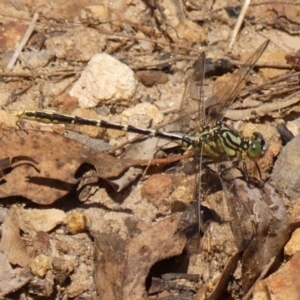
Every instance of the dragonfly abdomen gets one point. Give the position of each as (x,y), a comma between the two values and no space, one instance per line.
(56,118)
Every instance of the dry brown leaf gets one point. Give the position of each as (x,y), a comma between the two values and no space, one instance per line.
(272,227)
(9,282)
(11,243)
(121,273)
(58,160)
(7,163)
(5,270)
(282,14)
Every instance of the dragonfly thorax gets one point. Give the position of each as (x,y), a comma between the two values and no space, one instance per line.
(223,143)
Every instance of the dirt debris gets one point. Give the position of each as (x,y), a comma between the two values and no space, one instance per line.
(119,239)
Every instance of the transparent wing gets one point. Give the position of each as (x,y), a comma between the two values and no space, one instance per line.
(220,103)
(196,89)
(242,225)
(192,112)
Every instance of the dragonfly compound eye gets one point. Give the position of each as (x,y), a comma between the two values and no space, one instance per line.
(258,146)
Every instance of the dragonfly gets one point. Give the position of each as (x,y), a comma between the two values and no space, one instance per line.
(215,140)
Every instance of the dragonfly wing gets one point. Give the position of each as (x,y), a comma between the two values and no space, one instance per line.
(220,103)
(242,225)
(196,88)
(192,113)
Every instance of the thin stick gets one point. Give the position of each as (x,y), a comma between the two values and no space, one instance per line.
(239,22)
(245,114)
(23,42)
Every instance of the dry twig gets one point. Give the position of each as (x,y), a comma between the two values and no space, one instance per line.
(23,42)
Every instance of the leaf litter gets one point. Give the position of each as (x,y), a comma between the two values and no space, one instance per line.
(55,176)
(127,246)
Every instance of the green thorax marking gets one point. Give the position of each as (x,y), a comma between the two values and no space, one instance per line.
(224,143)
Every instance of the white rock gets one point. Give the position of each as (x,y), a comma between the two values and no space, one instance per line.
(105,81)
(146,111)
(40,219)
(142,115)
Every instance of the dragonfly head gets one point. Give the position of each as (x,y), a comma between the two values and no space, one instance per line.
(257,147)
